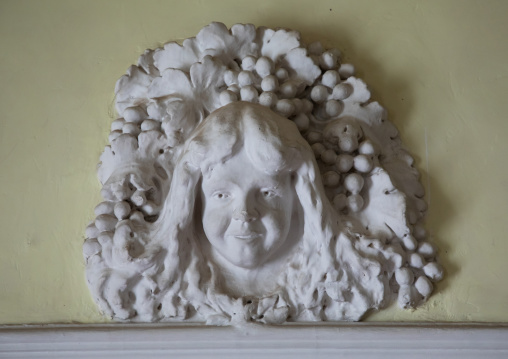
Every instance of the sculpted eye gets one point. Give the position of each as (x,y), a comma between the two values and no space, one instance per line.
(268,193)
(220,195)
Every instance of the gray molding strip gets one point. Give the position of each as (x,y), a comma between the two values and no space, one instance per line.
(352,340)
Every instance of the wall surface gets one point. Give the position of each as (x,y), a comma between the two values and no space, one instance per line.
(439,67)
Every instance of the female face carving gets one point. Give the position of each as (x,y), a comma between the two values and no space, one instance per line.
(246,212)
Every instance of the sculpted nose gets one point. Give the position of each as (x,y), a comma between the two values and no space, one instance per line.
(245,214)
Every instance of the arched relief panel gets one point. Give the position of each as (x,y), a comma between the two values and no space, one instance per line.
(251,178)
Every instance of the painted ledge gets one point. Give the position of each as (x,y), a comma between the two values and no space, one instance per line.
(356,340)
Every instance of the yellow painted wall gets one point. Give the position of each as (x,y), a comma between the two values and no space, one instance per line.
(439,67)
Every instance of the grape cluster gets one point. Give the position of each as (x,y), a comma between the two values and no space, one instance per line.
(415,278)
(135,192)
(345,158)
(260,81)
(125,199)
(135,120)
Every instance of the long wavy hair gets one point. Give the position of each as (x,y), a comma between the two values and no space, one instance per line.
(319,282)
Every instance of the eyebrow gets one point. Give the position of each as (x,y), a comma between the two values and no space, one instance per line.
(217,187)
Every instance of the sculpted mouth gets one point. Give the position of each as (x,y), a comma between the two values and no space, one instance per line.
(246,236)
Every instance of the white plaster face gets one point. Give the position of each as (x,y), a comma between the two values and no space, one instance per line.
(246,212)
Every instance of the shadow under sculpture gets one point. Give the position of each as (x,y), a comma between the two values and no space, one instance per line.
(227,214)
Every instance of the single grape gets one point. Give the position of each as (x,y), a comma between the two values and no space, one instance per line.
(315,48)
(234,88)
(134,115)
(282,74)
(424,286)
(117,124)
(298,105)
(354,183)
(348,143)
(346,70)
(333,108)
(149,208)
(245,78)
(137,216)
(285,107)
(149,125)
(426,249)
(355,202)
(419,232)
(314,137)
(307,106)
(363,164)
(302,122)
(328,60)
(91,247)
(131,129)
(434,271)
(270,83)
(230,77)
(331,178)
(268,99)
(319,93)
(288,89)
(264,66)
(340,201)
(248,63)
(105,238)
(91,231)
(405,297)
(367,148)
(344,162)
(330,78)
(342,91)
(114,135)
(138,198)
(329,156)
(122,210)
(409,242)
(336,52)
(227,96)
(105,222)
(107,194)
(416,260)
(105,207)
(404,276)
(249,94)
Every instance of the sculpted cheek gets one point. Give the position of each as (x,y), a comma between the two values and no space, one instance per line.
(216,222)
(274,227)
(277,223)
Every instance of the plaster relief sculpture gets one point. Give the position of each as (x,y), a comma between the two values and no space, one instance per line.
(250,178)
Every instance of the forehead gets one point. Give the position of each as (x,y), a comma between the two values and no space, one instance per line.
(240,171)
